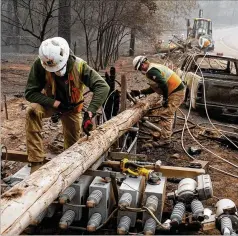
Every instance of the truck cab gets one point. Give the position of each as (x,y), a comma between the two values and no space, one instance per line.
(201,27)
(211,81)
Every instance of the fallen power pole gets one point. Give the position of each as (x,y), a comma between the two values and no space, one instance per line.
(26,200)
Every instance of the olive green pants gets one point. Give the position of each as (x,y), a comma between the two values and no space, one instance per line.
(167,114)
(35,113)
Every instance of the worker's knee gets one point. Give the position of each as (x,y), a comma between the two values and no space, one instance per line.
(34,110)
(34,115)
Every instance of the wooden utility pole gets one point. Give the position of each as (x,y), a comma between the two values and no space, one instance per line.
(5,104)
(123,93)
(26,200)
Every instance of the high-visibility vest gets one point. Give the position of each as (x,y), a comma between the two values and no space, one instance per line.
(172,79)
(206,43)
(76,85)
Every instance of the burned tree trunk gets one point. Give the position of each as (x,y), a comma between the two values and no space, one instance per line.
(26,200)
(64,20)
(17,29)
(132,43)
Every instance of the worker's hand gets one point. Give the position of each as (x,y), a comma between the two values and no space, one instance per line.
(87,122)
(135,93)
(65,108)
(165,103)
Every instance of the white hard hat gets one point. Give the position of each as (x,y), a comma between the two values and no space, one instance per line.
(138,61)
(54,53)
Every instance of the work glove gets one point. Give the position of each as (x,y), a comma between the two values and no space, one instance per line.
(165,103)
(87,122)
(135,93)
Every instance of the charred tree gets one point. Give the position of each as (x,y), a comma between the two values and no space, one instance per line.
(64,20)
(132,43)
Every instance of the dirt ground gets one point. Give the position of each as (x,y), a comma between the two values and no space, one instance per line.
(13,80)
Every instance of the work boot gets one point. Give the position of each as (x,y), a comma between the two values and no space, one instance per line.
(162,143)
(35,166)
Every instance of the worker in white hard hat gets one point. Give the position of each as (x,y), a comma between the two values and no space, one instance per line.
(55,89)
(166,82)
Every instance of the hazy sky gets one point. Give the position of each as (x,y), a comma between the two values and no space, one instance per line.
(221,12)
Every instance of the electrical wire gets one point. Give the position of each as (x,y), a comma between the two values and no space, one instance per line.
(212,167)
(133,209)
(70,204)
(104,118)
(132,188)
(186,124)
(155,218)
(108,98)
(186,117)
(205,103)
(224,172)
(228,162)
(143,209)
(105,222)
(75,205)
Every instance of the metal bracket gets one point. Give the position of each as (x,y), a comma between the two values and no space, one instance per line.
(199,164)
(104,174)
(108,174)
